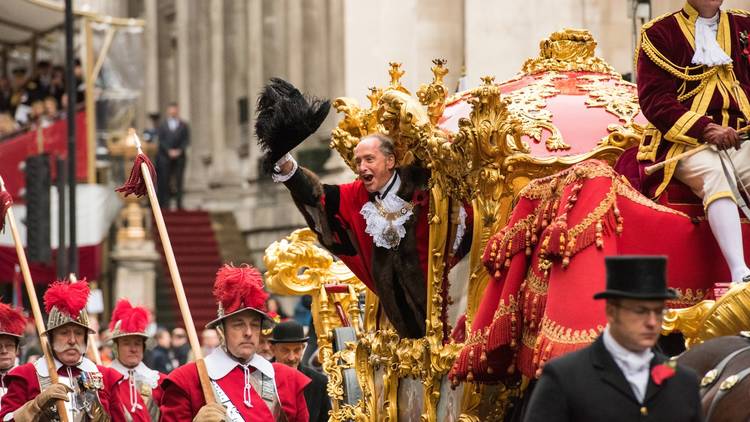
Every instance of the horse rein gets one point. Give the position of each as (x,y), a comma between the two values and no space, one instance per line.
(724,388)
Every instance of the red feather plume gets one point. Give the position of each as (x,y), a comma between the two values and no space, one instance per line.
(134,318)
(239,287)
(6,200)
(12,320)
(69,298)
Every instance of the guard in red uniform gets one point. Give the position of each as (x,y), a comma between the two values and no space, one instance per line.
(246,386)
(693,87)
(12,324)
(89,390)
(140,390)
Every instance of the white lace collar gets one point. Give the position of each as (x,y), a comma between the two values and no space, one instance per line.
(85,365)
(385,220)
(142,372)
(219,364)
(707,49)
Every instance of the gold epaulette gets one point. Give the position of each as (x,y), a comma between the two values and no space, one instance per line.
(646,26)
(739,12)
(651,23)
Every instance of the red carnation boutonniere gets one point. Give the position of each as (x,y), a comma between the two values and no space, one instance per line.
(662,372)
(745,44)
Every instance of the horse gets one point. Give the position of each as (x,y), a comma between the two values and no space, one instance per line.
(724,365)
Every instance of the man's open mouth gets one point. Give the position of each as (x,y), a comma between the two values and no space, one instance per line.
(367,177)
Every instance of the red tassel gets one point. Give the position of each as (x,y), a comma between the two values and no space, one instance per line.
(5,202)
(135,184)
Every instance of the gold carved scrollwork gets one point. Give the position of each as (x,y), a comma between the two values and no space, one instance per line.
(529,104)
(297,266)
(615,95)
(565,51)
(708,319)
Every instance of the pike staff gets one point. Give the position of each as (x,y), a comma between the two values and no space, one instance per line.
(141,182)
(6,200)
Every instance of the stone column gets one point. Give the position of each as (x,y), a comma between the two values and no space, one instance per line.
(151,42)
(217,113)
(255,78)
(295,43)
(182,29)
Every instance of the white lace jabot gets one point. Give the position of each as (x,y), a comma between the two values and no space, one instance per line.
(707,49)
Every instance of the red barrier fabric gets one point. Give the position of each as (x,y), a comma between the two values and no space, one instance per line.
(548,261)
(14,152)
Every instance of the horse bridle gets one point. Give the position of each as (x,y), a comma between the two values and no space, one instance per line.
(726,386)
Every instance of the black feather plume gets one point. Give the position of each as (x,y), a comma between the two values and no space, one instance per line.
(285,119)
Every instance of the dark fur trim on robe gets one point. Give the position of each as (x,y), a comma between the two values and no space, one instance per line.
(399,280)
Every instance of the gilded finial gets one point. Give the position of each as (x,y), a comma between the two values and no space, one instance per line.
(488,80)
(439,70)
(374,96)
(396,73)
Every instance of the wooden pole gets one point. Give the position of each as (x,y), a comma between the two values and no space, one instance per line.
(658,166)
(35,309)
(174,272)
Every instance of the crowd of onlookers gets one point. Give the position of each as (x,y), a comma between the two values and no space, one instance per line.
(29,100)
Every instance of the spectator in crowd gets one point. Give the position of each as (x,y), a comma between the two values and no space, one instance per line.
(57,84)
(51,108)
(288,343)
(18,86)
(40,83)
(30,348)
(180,346)
(174,137)
(161,357)
(105,346)
(80,87)
(209,341)
(8,125)
(275,308)
(6,92)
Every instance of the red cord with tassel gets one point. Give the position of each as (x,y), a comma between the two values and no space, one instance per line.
(135,184)
(5,202)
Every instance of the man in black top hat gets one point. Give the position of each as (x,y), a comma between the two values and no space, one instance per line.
(620,377)
(288,343)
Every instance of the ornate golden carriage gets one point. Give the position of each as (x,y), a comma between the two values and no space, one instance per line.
(483,146)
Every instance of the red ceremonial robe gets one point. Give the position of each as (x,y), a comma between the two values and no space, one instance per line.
(680,109)
(23,385)
(397,275)
(183,397)
(143,375)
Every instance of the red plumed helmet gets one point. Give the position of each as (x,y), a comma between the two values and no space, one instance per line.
(65,302)
(237,289)
(12,321)
(129,320)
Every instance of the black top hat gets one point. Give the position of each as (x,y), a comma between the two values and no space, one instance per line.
(288,332)
(636,277)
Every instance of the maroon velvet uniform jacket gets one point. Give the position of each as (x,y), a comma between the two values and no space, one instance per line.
(23,385)
(680,107)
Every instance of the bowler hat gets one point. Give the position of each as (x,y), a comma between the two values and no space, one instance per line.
(288,332)
(636,277)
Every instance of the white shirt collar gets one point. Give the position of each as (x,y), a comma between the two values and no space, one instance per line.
(85,365)
(219,364)
(635,366)
(396,184)
(142,373)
